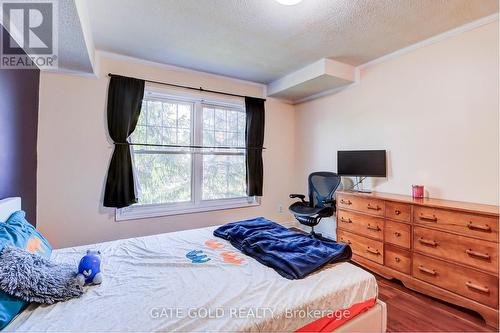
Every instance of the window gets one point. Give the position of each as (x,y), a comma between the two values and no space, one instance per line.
(173,178)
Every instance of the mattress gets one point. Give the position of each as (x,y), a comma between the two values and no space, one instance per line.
(190,281)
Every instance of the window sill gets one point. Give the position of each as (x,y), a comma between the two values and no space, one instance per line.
(135,212)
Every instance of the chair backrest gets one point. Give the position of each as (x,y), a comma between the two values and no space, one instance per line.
(322,186)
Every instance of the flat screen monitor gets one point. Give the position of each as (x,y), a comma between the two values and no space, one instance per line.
(361,163)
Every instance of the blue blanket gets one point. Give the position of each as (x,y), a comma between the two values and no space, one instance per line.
(293,255)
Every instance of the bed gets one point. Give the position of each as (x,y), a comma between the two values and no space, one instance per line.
(155,283)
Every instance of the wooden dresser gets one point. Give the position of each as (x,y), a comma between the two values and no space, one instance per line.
(445,249)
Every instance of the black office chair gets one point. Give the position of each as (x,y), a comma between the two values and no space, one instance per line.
(322,186)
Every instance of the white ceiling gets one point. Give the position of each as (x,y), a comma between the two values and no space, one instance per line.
(261,40)
(75,48)
(74,54)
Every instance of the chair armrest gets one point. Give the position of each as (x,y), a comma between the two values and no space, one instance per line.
(300,196)
(331,201)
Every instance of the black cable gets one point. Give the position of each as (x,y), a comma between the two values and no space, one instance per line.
(353,186)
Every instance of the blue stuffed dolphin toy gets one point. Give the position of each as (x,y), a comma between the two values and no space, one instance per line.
(89,269)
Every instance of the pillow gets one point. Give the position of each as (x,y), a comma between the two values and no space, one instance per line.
(36,279)
(18,232)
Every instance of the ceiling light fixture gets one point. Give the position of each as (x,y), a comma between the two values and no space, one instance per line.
(288,2)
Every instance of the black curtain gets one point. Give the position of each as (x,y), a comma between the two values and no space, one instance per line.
(254,136)
(124,106)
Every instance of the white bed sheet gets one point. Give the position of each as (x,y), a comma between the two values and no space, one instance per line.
(150,285)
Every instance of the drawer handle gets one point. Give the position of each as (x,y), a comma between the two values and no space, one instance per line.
(348,202)
(427,242)
(343,219)
(426,270)
(478,288)
(374,228)
(397,234)
(485,227)
(477,254)
(373,251)
(373,208)
(397,212)
(397,259)
(344,241)
(432,218)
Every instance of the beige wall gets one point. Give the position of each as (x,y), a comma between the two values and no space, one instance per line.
(74,152)
(435,110)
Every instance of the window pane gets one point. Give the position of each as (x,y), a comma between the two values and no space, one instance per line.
(208,138)
(169,136)
(241,139)
(183,137)
(140,134)
(232,121)
(220,120)
(167,123)
(170,114)
(232,139)
(155,135)
(184,116)
(220,138)
(164,178)
(155,113)
(208,118)
(223,127)
(224,176)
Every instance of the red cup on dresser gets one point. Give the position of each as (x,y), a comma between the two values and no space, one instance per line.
(417,191)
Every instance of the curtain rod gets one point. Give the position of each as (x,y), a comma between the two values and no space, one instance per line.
(191,88)
(187,146)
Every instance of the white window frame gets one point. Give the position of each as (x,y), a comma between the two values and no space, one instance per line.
(196,204)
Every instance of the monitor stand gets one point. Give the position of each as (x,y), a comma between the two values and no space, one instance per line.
(359,187)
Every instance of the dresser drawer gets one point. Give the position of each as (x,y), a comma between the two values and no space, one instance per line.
(482,227)
(398,234)
(364,205)
(464,250)
(469,283)
(398,211)
(362,246)
(397,259)
(361,224)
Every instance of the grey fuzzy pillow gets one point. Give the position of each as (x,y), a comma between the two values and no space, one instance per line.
(36,279)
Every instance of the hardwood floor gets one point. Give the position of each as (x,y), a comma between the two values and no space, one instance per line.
(409,311)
